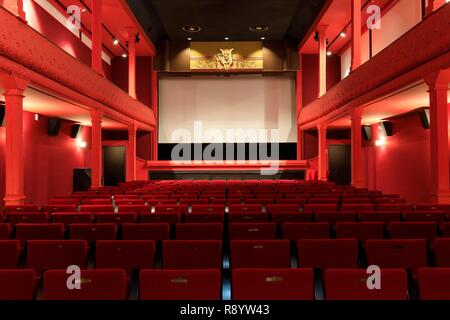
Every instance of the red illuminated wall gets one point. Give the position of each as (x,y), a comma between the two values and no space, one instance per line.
(403,164)
(48,161)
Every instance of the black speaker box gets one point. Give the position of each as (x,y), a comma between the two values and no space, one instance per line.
(425,118)
(82,179)
(75,130)
(54,124)
(367,132)
(386,127)
(2,114)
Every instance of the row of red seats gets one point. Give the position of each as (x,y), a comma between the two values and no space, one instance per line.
(322,254)
(247,284)
(204,231)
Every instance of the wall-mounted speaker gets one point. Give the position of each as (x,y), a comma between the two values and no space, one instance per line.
(2,114)
(367,132)
(386,128)
(425,118)
(54,124)
(75,130)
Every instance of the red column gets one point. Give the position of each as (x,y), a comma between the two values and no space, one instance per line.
(323,152)
(15,7)
(433,5)
(356,141)
(96,61)
(438,88)
(97,150)
(299,104)
(321,30)
(356,34)
(14,87)
(131,153)
(132,62)
(154,101)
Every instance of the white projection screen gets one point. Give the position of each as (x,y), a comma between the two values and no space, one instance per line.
(233,102)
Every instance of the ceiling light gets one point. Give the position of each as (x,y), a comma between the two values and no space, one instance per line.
(226,38)
(81,143)
(329,53)
(380,142)
(191,29)
(189,39)
(83,10)
(124,55)
(115,42)
(36,117)
(263,38)
(259,28)
(343,34)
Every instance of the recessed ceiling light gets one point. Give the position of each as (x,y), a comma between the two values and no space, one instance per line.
(259,28)
(263,38)
(343,34)
(124,55)
(226,38)
(189,39)
(191,29)
(115,42)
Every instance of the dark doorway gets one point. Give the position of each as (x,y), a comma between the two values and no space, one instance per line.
(113,165)
(339,163)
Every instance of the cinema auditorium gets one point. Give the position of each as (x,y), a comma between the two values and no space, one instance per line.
(240,150)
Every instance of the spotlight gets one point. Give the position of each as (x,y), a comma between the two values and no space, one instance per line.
(189,39)
(343,34)
(81,143)
(124,55)
(191,29)
(36,117)
(226,38)
(329,53)
(83,10)
(259,28)
(116,42)
(380,142)
(263,38)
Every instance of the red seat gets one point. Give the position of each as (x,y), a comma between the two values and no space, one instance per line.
(395,207)
(411,254)
(180,284)
(95,285)
(248,217)
(445,228)
(59,208)
(306,230)
(281,218)
(96,208)
(273,284)
(424,216)
(209,208)
(37,231)
(380,216)
(129,202)
(361,231)
(315,208)
(434,283)
(338,216)
(56,254)
(442,252)
(67,218)
(125,254)
(97,202)
(9,254)
(282,208)
(17,284)
(163,208)
(134,208)
(62,202)
(358,206)
(145,231)
(245,208)
(328,253)
(118,218)
(260,254)
(351,284)
(27,217)
(199,231)
(171,218)
(191,201)
(22,208)
(192,254)
(434,206)
(204,217)
(264,230)
(93,231)
(413,230)
(5,231)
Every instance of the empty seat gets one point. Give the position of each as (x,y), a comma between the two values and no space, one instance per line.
(319,207)
(445,228)
(145,231)
(361,231)
(97,202)
(260,254)
(245,208)
(95,285)
(9,254)
(338,216)
(199,231)
(351,284)
(434,283)
(163,208)
(5,231)
(125,254)
(27,217)
(22,208)
(192,254)
(264,230)
(442,252)
(61,202)
(17,284)
(35,231)
(281,218)
(395,207)
(432,206)
(204,217)
(93,231)
(413,230)
(327,253)
(358,206)
(171,218)
(56,254)
(209,208)
(423,216)
(306,230)
(67,218)
(134,208)
(248,217)
(380,216)
(59,208)
(282,208)
(273,284)
(96,208)
(121,202)
(409,254)
(118,218)
(180,284)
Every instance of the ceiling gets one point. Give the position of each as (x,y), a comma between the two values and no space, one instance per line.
(287,19)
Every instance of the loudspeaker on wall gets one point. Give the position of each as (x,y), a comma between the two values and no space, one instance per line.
(425,118)
(386,128)
(75,129)
(367,132)
(54,124)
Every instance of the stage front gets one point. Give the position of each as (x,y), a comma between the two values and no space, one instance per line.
(214,170)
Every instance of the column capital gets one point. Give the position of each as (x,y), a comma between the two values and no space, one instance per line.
(96,115)
(322,127)
(13,83)
(322,29)
(356,113)
(438,80)
(132,128)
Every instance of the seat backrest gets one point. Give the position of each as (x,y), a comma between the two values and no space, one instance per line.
(72,217)
(199,231)
(380,216)
(306,230)
(361,231)
(9,253)
(118,218)
(180,284)
(209,208)
(413,230)
(424,216)
(248,217)
(5,231)
(93,231)
(255,230)
(245,208)
(442,252)
(134,208)
(17,284)
(145,231)
(96,208)
(281,218)
(59,208)
(204,217)
(192,254)
(260,254)
(167,208)
(43,231)
(283,208)
(334,217)
(171,218)
(27,217)
(434,283)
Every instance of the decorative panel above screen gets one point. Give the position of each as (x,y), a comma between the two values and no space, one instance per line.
(226,56)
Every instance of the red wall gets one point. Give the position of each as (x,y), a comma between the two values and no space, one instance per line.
(54,31)
(48,161)
(402,165)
